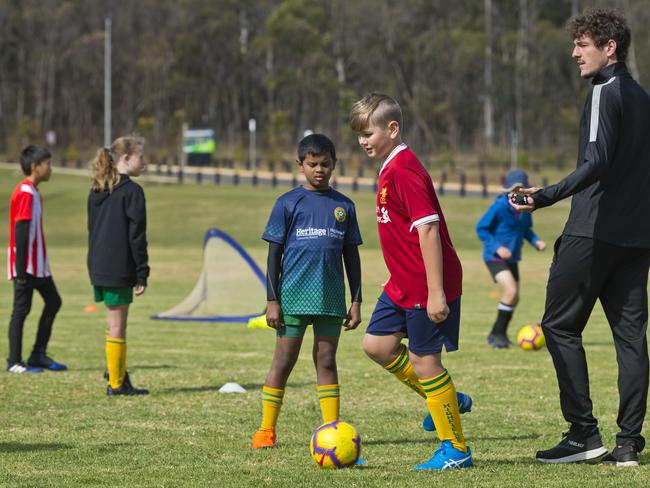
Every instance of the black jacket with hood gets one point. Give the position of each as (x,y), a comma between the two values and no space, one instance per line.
(117,236)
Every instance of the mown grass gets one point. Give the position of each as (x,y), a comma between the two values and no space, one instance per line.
(61,430)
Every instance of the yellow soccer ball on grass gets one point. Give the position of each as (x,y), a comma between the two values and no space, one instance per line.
(335,445)
(531,337)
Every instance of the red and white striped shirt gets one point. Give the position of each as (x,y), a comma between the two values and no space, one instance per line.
(27,204)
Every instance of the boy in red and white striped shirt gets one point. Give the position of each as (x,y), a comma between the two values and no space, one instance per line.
(28,265)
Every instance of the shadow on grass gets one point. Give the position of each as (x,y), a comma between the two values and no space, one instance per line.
(530,460)
(249,387)
(523,437)
(258,386)
(387,442)
(146,366)
(187,389)
(381,442)
(153,366)
(37,446)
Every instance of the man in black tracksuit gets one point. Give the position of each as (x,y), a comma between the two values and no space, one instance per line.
(604,250)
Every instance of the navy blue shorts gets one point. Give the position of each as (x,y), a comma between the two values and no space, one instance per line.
(425,336)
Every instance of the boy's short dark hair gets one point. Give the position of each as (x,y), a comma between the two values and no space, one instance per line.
(316,145)
(601,25)
(32,154)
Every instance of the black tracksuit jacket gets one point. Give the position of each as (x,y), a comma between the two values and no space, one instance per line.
(117,236)
(611,185)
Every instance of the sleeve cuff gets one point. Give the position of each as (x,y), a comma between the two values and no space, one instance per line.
(424,220)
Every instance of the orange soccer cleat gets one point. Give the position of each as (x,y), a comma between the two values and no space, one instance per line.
(264,438)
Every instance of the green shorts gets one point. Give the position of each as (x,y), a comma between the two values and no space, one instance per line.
(113,296)
(324,325)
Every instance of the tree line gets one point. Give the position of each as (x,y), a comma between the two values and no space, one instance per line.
(473,76)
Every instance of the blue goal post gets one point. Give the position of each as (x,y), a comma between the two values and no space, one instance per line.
(230,285)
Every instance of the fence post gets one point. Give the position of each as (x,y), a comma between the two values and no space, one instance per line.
(463,180)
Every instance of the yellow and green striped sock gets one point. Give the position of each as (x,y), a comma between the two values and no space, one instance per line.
(402,368)
(443,407)
(116,361)
(271,405)
(329,398)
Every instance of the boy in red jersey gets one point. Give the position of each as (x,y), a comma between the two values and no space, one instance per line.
(29,266)
(419,301)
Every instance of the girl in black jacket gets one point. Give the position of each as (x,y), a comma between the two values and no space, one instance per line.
(117,247)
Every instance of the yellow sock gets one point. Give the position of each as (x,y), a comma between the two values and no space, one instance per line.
(443,407)
(271,405)
(116,361)
(402,368)
(328,396)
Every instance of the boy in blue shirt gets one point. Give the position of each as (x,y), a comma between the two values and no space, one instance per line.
(309,229)
(502,230)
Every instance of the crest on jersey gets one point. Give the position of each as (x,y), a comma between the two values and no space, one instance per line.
(339,214)
(383,195)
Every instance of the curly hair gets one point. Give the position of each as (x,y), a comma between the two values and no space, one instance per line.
(601,25)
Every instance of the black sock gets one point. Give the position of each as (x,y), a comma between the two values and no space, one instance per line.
(504,315)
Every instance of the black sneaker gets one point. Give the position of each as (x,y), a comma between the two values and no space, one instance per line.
(127,389)
(498,341)
(574,449)
(623,456)
(127,379)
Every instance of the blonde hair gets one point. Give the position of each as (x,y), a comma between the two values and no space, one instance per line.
(377,108)
(103,169)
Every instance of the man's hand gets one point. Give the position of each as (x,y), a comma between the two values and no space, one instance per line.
(353,318)
(503,252)
(540,245)
(520,200)
(274,315)
(437,308)
(139,290)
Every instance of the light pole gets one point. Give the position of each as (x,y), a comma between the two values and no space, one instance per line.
(107,82)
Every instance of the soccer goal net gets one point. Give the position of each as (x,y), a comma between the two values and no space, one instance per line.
(230,288)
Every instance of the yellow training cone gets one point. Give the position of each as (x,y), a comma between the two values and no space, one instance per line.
(258,322)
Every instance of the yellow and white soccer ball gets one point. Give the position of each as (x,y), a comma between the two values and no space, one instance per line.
(531,337)
(335,445)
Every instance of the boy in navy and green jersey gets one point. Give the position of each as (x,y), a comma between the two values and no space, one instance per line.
(312,230)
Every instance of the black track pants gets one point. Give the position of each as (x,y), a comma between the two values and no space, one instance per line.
(584,270)
(23,293)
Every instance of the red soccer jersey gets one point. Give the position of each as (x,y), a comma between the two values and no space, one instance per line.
(27,204)
(405,200)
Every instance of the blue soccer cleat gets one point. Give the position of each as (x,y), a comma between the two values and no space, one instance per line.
(41,360)
(447,457)
(464,405)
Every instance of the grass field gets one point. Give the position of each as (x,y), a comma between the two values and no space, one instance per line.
(60,429)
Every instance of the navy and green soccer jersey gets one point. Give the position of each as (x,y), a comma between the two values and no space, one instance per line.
(313,227)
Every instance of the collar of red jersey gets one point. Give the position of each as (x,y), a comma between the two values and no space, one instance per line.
(392,154)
